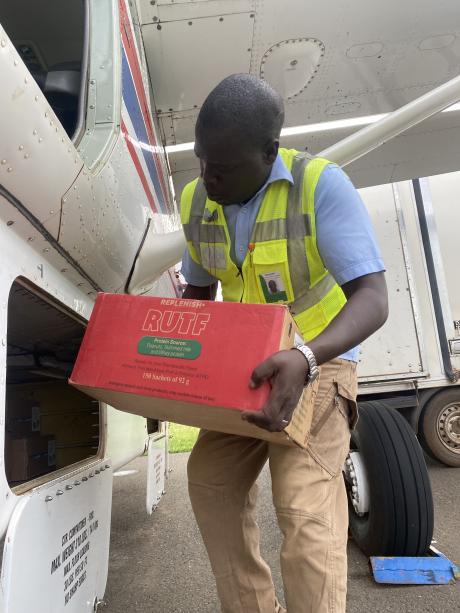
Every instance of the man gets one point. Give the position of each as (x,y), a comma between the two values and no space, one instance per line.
(261,217)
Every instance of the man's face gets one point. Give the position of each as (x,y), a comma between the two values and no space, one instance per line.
(231,168)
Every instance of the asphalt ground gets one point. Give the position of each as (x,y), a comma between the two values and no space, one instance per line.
(158,564)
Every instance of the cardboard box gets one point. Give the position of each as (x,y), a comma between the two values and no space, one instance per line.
(29,457)
(23,415)
(67,455)
(187,361)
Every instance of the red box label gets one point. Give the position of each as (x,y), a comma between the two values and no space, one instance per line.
(188,350)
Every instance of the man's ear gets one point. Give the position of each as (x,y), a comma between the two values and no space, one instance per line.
(271,151)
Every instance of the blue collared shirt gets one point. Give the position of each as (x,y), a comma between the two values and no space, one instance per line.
(344,233)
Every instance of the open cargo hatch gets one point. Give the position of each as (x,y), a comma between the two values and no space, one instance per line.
(48,424)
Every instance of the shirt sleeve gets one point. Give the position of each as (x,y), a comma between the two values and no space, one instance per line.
(344,233)
(194,273)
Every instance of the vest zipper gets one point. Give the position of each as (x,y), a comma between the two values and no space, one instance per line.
(240,274)
(250,251)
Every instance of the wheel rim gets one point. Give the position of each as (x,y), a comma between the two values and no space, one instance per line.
(357,483)
(448,427)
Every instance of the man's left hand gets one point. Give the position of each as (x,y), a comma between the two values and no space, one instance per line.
(286,372)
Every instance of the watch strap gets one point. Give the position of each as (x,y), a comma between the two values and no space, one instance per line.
(313,370)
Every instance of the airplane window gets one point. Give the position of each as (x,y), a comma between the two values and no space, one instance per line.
(50,38)
(49,425)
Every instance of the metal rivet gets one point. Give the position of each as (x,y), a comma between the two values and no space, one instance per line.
(3,162)
(40,140)
(59,493)
(294,62)
(190,23)
(107,465)
(68,486)
(90,475)
(221,18)
(21,147)
(102,468)
(77,483)
(3,42)
(48,498)
(84,478)
(9,169)
(158,27)
(9,223)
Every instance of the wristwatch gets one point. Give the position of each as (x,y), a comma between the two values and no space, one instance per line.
(313,370)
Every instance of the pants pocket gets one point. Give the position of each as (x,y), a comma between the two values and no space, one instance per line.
(330,434)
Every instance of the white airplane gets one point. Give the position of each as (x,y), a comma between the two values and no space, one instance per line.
(94,96)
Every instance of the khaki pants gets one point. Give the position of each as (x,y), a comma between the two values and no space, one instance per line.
(309,498)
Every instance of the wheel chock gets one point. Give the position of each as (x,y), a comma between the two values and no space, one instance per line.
(432,569)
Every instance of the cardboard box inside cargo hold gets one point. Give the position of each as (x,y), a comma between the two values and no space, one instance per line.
(29,457)
(118,366)
(68,416)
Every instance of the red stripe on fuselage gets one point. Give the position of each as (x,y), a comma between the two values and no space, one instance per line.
(138,166)
(133,61)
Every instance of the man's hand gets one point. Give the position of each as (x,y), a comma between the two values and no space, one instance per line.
(286,372)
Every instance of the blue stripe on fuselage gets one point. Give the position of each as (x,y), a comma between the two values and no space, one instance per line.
(135,114)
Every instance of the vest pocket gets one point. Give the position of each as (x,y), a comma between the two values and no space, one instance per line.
(311,322)
(271,272)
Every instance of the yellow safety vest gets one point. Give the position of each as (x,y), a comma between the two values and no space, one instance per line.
(283,264)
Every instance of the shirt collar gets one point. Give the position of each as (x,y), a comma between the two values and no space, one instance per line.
(279,172)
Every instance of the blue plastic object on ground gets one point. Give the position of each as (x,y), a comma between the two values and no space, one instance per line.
(432,569)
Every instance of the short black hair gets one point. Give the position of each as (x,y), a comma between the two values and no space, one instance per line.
(245,104)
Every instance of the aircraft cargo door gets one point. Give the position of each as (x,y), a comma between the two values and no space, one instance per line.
(56,549)
(393,352)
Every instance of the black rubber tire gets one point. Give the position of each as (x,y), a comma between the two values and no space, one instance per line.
(429,421)
(400,517)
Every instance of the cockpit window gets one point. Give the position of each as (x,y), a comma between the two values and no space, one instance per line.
(50,38)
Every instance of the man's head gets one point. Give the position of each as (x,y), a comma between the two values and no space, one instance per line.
(237,137)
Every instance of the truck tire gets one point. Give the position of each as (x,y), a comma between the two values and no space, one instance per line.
(399,517)
(439,427)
